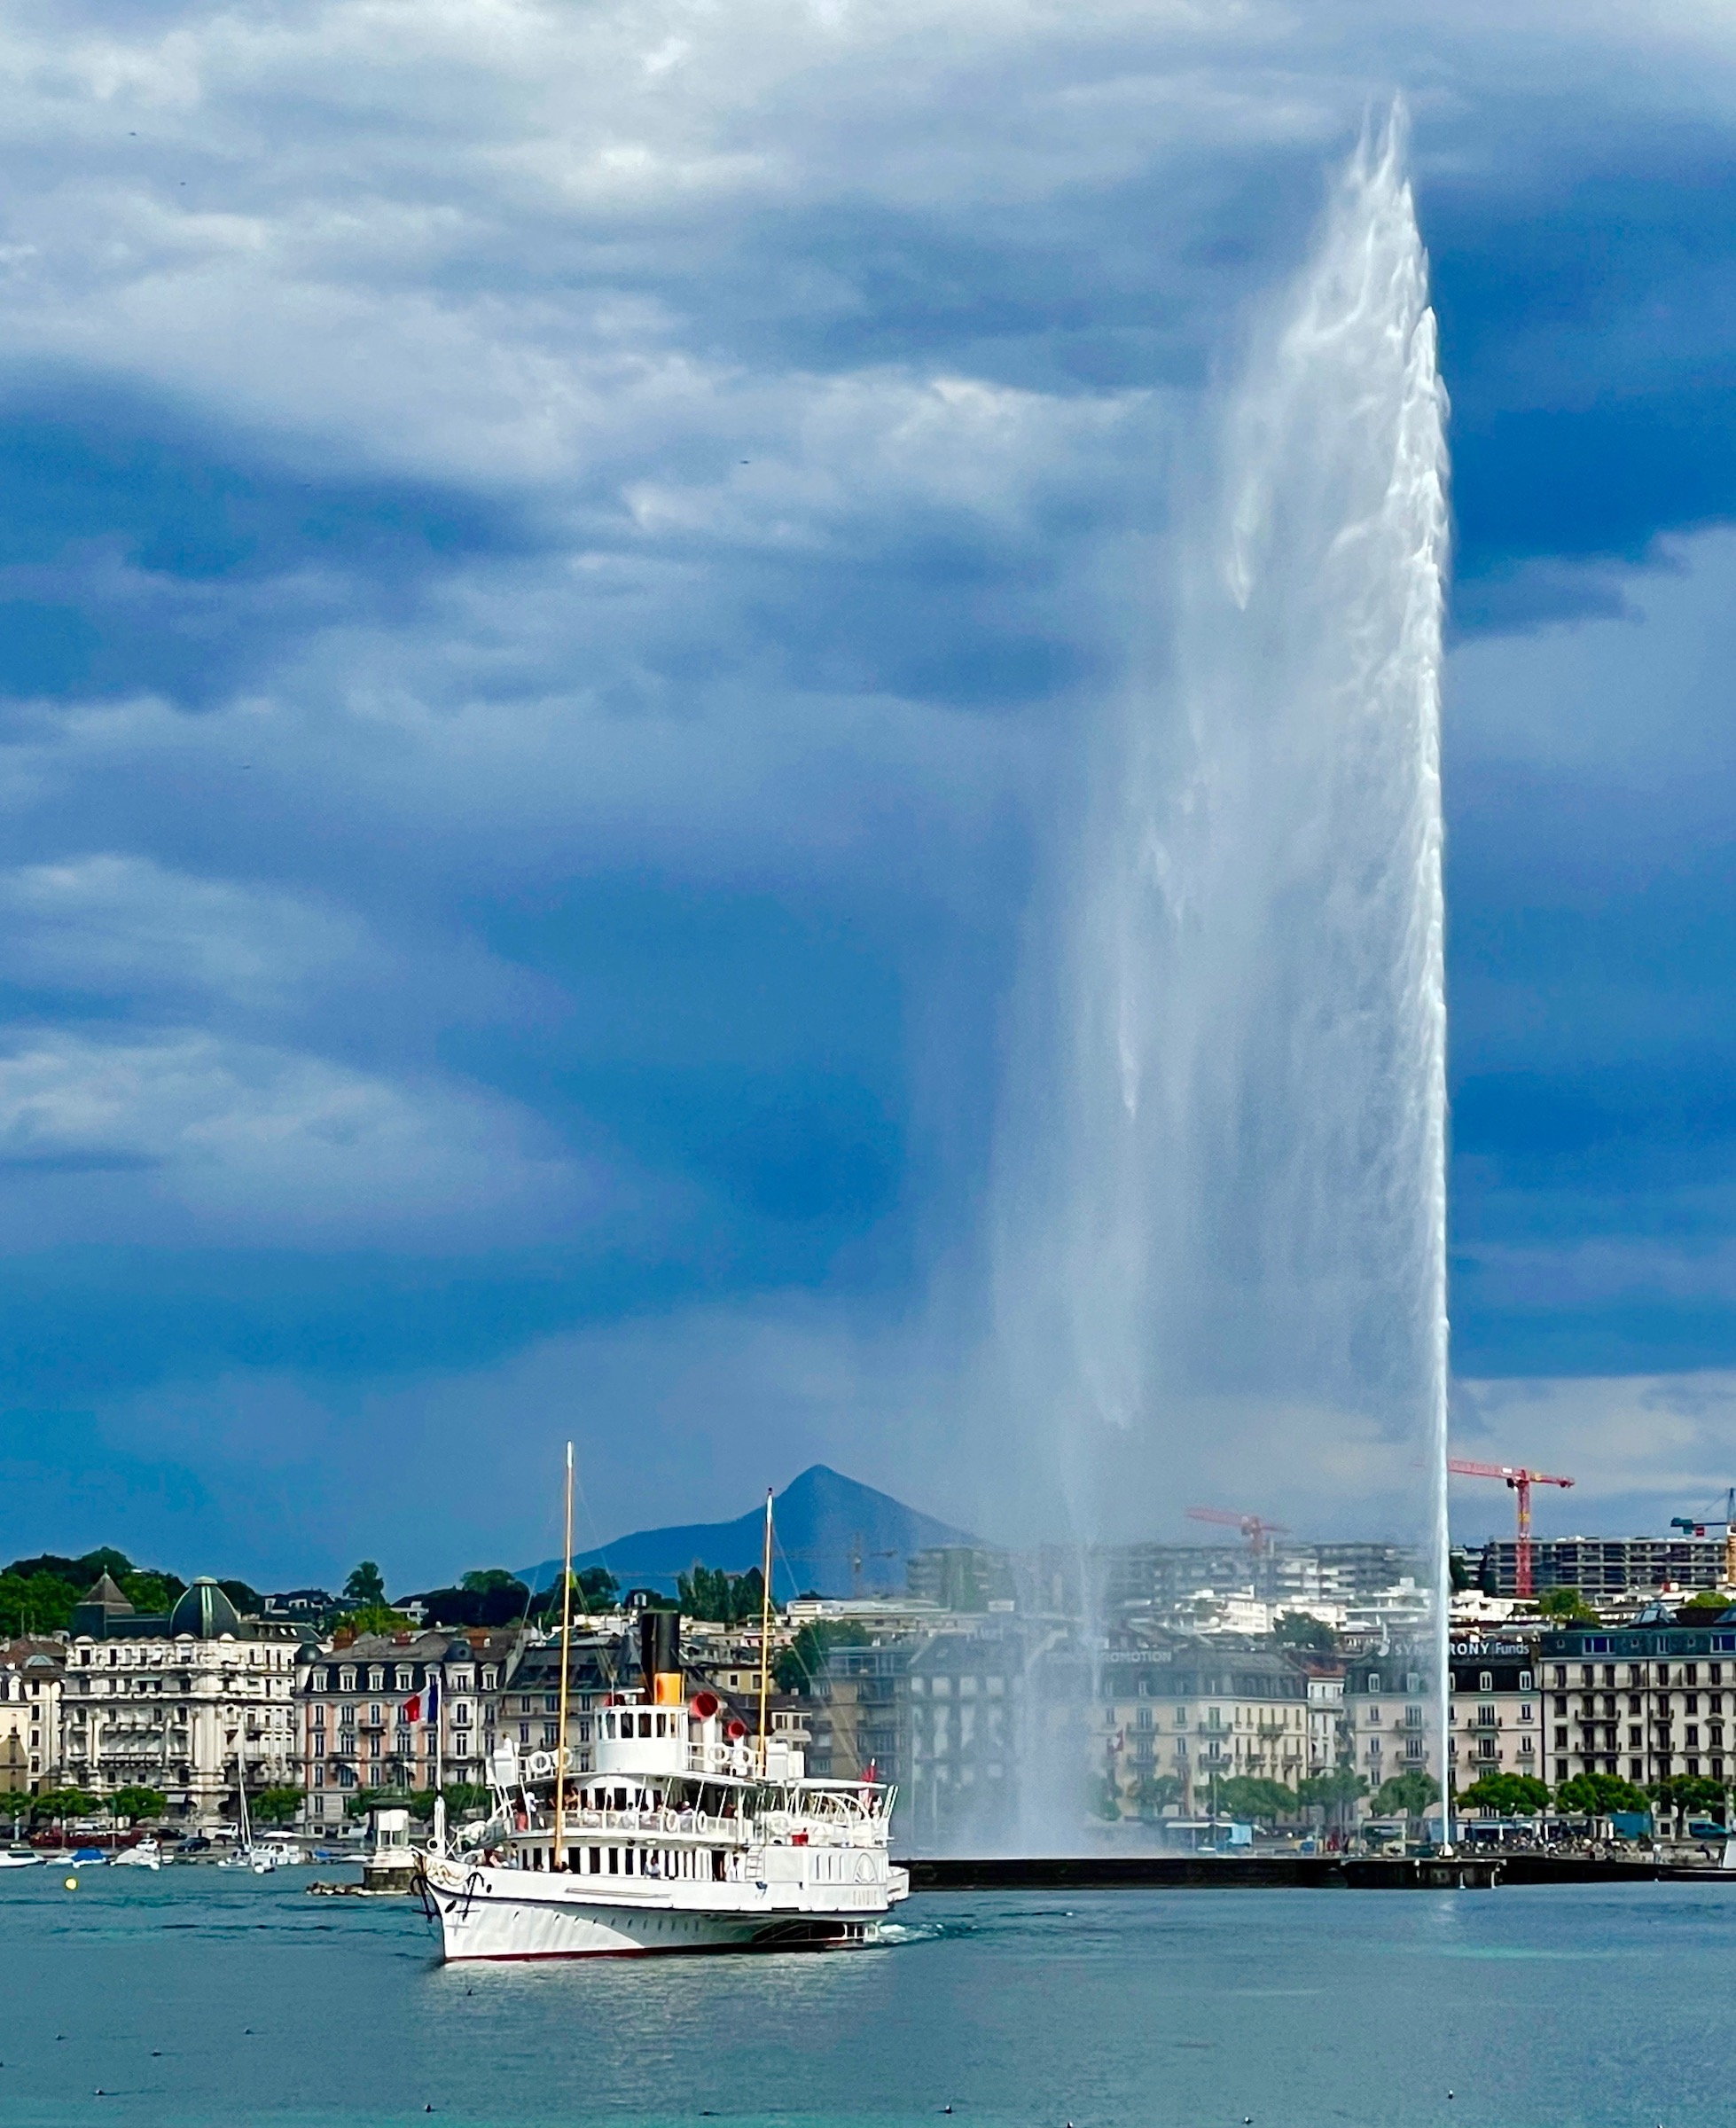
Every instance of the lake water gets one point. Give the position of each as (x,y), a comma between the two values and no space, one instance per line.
(191,1999)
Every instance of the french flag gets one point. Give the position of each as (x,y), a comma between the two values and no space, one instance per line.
(427,1699)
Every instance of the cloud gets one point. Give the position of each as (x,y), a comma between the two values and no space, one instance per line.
(1639,1449)
(184,1138)
(551,568)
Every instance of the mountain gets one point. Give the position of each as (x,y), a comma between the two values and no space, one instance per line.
(821,1520)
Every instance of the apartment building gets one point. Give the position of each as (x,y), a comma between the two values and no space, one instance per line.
(1648,1702)
(31,1677)
(1389,1720)
(1602,1566)
(1197,1711)
(399,1710)
(1498,1710)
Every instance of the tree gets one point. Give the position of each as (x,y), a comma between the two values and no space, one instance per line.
(275,1806)
(148,1590)
(1297,1629)
(376,1618)
(1689,1793)
(134,1804)
(1334,1791)
(1155,1793)
(37,1603)
(244,1596)
(1246,1795)
(1598,1794)
(1567,1605)
(1507,1795)
(1708,1603)
(365,1585)
(92,1565)
(1406,1796)
(804,1659)
(730,1599)
(496,1599)
(55,1804)
(594,1589)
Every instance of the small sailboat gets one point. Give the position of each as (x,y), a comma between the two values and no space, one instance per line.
(261,1860)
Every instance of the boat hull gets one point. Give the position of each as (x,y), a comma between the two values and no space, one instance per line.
(527,1916)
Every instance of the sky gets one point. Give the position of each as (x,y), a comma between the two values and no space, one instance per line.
(550,562)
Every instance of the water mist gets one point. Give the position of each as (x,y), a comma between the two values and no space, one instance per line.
(1221,1257)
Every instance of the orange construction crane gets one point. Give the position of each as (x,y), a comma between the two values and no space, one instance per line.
(1253,1527)
(1520,1481)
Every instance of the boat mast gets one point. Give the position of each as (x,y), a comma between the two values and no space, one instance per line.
(559,1857)
(765,1633)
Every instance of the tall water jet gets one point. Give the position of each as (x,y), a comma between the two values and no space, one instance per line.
(1221,1248)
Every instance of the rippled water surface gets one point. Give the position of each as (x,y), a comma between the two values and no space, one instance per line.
(191,1999)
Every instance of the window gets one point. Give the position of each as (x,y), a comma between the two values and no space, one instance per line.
(489,1679)
(1525,1680)
(401,1678)
(1486,1680)
(319,1680)
(377,1678)
(346,1680)
(1373,1681)
(1413,1682)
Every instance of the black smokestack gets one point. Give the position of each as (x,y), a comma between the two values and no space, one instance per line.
(659,1645)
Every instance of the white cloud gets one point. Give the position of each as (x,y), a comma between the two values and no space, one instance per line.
(176,1136)
(1639,1449)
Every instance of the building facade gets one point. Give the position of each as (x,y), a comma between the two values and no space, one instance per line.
(1606,1566)
(190,1704)
(31,1673)
(1498,1723)
(1200,1712)
(399,1711)
(1389,1723)
(1648,1703)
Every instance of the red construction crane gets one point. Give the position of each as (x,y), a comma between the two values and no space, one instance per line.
(1520,1481)
(1253,1527)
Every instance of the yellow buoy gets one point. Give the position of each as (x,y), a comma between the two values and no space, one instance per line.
(72,1883)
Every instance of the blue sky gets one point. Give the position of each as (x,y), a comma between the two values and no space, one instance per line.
(551,560)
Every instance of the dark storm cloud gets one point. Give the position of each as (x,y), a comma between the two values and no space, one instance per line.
(548,567)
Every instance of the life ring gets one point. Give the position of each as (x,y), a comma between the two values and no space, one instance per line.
(540,1764)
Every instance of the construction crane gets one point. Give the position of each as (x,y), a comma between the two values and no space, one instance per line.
(1521,1480)
(1254,1527)
(1726,1522)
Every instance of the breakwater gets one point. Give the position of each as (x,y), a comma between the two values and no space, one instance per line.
(1268,1872)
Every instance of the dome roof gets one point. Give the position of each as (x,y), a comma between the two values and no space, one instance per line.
(204,1613)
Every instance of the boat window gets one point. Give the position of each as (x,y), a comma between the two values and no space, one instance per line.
(614,1861)
(662,1724)
(644,1725)
(595,1861)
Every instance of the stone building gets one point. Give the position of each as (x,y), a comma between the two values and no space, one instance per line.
(31,1675)
(187,1703)
(1647,1704)
(1390,1724)
(1497,1713)
(400,1710)
(1197,1711)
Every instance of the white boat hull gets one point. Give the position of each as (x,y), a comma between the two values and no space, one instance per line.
(512,1913)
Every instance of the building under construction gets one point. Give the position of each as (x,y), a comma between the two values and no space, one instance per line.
(1604,1566)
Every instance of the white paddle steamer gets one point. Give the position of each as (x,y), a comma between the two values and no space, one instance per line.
(669,1828)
